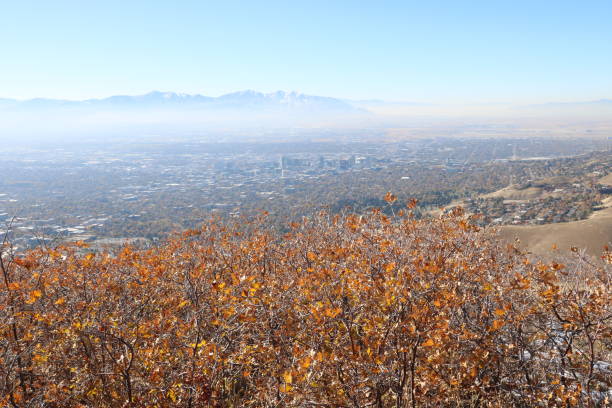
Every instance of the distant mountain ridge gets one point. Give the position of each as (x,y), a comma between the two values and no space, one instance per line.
(236,100)
(244,99)
(597,102)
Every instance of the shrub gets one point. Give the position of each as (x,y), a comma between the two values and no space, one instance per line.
(342,311)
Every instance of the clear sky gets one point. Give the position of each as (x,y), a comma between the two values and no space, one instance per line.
(425,51)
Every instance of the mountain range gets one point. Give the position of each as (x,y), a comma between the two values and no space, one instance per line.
(252,100)
(171,113)
(249,99)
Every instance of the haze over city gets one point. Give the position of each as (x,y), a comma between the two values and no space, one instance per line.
(391,64)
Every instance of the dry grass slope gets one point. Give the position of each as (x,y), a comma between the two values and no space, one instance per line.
(592,234)
(607,180)
(511,193)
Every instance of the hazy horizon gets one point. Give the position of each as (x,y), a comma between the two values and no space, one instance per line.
(80,71)
(372,100)
(173,113)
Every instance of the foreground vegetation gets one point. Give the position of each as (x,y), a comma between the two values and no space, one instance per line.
(341,311)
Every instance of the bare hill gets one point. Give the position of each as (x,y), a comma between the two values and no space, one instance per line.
(592,234)
(607,180)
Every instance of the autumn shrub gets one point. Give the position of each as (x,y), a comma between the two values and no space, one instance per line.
(342,311)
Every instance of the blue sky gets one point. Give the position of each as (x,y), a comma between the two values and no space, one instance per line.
(425,51)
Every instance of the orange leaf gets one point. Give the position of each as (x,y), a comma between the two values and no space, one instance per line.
(500,312)
(429,343)
(81,244)
(390,198)
(34,295)
(332,312)
(497,324)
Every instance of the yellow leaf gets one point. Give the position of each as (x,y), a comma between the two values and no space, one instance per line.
(285,388)
(305,363)
(60,301)
(34,295)
(172,395)
(287,377)
(311,256)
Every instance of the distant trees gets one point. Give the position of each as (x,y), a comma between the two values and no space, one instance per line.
(341,311)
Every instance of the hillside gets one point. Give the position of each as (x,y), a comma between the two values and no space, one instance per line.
(359,311)
(591,234)
(607,180)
